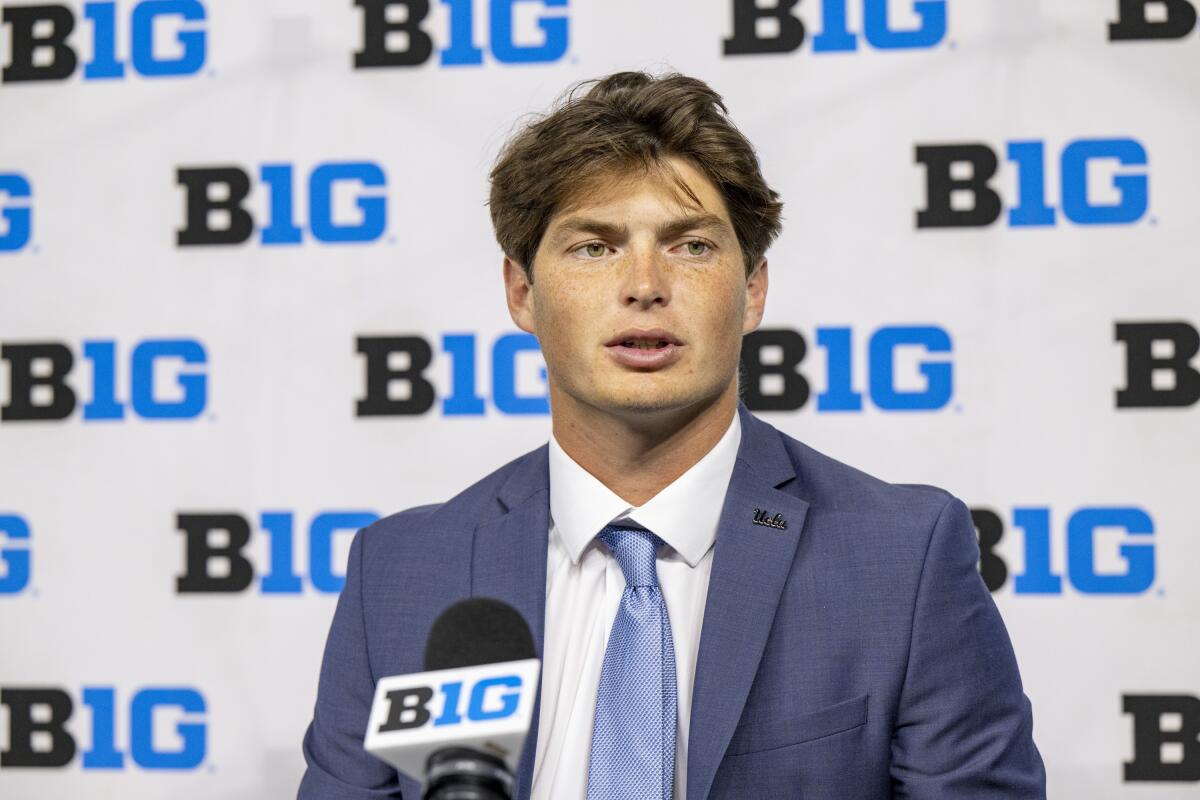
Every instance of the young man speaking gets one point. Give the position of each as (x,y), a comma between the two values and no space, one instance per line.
(721,611)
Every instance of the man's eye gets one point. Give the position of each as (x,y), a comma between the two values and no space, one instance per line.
(697,248)
(594,249)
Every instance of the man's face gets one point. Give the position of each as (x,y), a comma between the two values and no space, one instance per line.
(640,297)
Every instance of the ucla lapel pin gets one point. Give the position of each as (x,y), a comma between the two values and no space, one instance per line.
(762,517)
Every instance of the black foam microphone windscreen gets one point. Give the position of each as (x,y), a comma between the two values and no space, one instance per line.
(480,630)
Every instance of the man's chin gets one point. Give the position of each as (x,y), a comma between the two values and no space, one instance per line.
(650,402)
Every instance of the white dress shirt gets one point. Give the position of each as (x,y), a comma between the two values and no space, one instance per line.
(583,591)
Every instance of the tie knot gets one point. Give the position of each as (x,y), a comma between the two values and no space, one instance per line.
(635,549)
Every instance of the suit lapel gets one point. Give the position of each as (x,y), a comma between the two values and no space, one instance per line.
(509,564)
(751,563)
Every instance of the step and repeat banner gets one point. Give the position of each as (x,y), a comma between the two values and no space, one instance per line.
(250,301)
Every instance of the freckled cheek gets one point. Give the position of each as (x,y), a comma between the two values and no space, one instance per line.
(567,320)
(721,309)
(721,316)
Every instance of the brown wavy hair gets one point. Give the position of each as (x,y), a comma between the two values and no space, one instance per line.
(602,130)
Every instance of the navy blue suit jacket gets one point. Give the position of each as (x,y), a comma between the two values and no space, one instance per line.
(854,654)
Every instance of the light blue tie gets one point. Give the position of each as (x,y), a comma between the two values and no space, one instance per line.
(633,738)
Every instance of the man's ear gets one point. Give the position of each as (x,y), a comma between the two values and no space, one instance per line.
(756,297)
(518,291)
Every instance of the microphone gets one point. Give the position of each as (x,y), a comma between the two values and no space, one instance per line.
(462,722)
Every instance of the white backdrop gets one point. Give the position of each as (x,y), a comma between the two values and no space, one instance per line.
(90,604)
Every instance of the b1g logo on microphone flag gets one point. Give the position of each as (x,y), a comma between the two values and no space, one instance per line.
(774,26)
(45,40)
(960,192)
(395,33)
(487,708)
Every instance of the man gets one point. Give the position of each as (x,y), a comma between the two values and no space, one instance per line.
(721,611)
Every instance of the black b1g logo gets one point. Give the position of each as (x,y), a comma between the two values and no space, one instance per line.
(1139,20)
(1166,737)
(1160,368)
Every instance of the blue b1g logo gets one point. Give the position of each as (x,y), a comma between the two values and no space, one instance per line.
(394,33)
(773,377)
(223,567)
(14,554)
(784,32)
(1090,533)
(44,712)
(397,384)
(16,215)
(964,172)
(39,392)
(232,186)
(41,46)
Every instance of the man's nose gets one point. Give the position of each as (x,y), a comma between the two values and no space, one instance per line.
(647,279)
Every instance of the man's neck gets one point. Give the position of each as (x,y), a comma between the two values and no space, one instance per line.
(637,456)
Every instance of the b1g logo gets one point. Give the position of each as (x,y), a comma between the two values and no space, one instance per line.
(41,48)
(772,380)
(397,384)
(14,554)
(1159,368)
(1090,535)
(394,33)
(959,192)
(492,698)
(38,735)
(39,392)
(16,215)
(215,197)
(212,566)
(487,707)
(1166,737)
(773,27)
(1139,20)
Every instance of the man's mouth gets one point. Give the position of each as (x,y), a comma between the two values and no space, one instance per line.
(644,350)
(653,339)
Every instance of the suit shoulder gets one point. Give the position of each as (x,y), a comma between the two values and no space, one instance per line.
(466,509)
(836,485)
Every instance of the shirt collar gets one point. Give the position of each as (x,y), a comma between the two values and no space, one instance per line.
(685,514)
